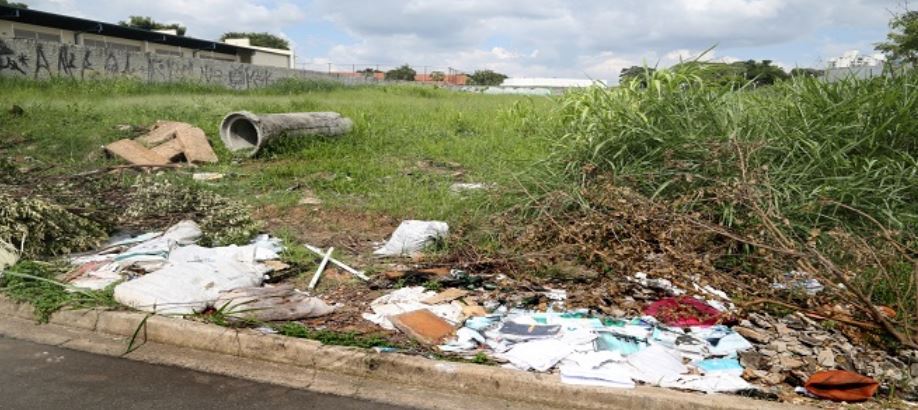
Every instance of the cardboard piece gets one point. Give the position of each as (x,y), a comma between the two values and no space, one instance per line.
(170,150)
(423,326)
(162,132)
(196,146)
(136,154)
(448,295)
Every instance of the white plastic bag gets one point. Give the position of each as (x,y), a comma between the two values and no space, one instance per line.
(411,237)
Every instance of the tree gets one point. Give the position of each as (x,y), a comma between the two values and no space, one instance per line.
(437,76)
(762,73)
(902,41)
(635,73)
(486,77)
(403,73)
(13,4)
(260,39)
(147,23)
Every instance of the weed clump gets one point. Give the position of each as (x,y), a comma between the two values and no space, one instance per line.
(162,202)
(44,228)
(328,337)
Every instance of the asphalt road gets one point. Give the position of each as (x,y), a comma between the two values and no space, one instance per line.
(34,376)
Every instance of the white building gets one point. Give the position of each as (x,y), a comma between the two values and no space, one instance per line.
(274,57)
(853,59)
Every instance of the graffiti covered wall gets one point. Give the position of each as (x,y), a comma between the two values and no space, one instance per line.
(40,60)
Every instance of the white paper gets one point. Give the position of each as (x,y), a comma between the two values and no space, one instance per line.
(656,363)
(539,355)
(611,375)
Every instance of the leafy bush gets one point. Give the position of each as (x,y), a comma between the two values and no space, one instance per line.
(147,23)
(259,39)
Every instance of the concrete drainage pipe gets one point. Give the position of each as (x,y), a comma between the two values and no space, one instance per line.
(247,132)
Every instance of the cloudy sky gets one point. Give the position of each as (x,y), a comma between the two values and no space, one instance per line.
(551,38)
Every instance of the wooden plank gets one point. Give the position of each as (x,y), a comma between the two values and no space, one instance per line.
(163,131)
(131,151)
(197,148)
(170,150)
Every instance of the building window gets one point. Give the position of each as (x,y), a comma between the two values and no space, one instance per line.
(169,52)
(105,44)
(213,56)
(93,43)
(36,35)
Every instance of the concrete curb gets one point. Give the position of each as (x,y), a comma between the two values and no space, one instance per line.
(397,370)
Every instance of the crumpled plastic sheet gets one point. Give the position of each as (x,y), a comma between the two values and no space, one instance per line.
(411,237)
(193,278)
(183,278)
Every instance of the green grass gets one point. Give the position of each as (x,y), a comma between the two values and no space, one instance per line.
(34,283)
(329,337)
(66,123)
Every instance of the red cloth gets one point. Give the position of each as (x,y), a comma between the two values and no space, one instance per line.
(683,311)
(840,385)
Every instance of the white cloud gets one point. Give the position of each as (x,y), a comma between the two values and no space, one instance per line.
(575,38)
(204,18)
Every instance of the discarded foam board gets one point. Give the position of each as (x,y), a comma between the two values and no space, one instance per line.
(163,131)
(8,255)
(137,154)
(423,326)
(196,146)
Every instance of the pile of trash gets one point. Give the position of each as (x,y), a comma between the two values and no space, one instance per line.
(167,273)
(679,342)
(686,353)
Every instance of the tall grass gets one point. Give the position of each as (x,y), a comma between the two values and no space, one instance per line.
(853,142)
(826,173)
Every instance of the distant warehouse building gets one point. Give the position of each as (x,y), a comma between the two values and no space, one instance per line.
(49,27)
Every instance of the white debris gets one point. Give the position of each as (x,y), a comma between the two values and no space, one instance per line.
(8,255)
(613,375)
(715,383)
(407,300)
(655,364)
(411,237)
(661,284)
(207,176)
(193,277)
(539,355)
(466,186)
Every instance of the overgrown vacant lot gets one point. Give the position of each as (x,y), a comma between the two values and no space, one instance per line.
(409,145)
(755,191)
